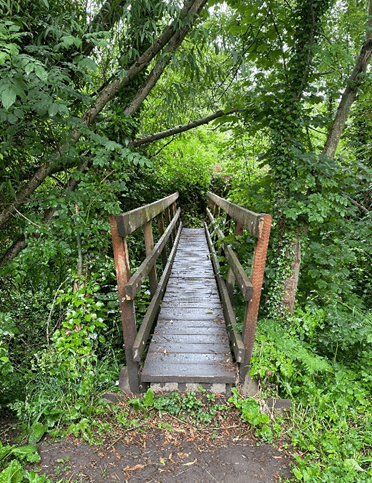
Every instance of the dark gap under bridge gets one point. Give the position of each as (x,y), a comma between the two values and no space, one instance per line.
(187,336)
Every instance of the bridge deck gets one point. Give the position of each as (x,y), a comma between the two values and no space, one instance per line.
(190,343)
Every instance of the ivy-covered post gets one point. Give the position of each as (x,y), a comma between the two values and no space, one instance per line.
(128,317)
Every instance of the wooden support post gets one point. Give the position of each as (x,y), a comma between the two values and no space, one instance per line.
(164,256)
(128,317)
(149,244)
(230,282)
(168,218)
(258,268)
(174,211)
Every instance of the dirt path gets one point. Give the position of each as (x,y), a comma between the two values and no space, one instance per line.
(162,448)
(182,455)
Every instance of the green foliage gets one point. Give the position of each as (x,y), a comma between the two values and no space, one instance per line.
(329,425)
(14,471)
(188,405)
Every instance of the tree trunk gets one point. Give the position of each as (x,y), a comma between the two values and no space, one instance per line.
(329,150)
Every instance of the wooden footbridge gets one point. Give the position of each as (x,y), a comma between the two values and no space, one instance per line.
(187,336)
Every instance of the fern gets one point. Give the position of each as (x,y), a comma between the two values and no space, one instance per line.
(294,349)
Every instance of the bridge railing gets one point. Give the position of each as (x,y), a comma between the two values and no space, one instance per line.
(169,227)
(258,225)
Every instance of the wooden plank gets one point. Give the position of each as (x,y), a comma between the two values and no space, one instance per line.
(190,329)
(161,232)
(163,371)
(210,305)
(134,283)
(235,338)
(251,221)
(189,339)
(230,282)
(131,220)
(191,325)
(181,358)
(186,330)
(176,299)
(190,314)
(148,321)
(242,278)
(187,348)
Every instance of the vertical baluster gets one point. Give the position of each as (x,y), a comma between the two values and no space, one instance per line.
(169,214)
(164,256)
(149,244)
(230,282)
(128,316)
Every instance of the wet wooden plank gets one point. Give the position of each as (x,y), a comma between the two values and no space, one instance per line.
(190,339)
(186,348)
(180,358)
(163,371)
(191,325)
(190,314)
(182,330)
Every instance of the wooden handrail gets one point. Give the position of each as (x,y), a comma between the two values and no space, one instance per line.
(259,226)
(251,221)
(129,286)
(131,220)
(244,283)
(134,284)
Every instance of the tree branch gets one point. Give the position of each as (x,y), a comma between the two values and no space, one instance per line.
(176,130)
(107,94)
(161,64)
(347,99)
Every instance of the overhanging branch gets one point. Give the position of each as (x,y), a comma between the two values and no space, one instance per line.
(176,130)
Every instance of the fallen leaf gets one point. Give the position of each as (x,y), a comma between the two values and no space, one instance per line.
(134,468)
(190,463)
(209,312)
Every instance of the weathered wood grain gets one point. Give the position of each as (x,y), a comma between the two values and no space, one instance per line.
(252,222)
(242,278)
(131,220)
(134,283)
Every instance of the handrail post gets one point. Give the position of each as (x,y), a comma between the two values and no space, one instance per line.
(230,282)
(258,268)
(128,317)
(168,218)
(164,256)
(149,245)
